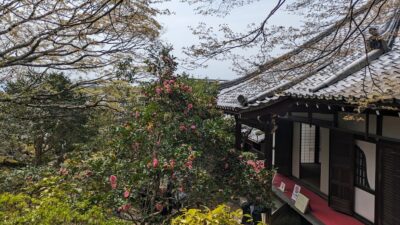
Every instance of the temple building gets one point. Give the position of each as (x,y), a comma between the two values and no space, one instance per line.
(329,120)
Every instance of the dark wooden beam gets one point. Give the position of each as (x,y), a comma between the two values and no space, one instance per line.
(279,108)
(366,124)
(238,133)
(252,123)
(268,142)
(336,119)
(379,121)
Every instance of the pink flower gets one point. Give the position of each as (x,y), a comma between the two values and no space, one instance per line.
(168,90)
(193,127)
(182,127)
(159,206)
(257,165)
(126,194)
(251,163)
(155,162)
(158,90)
(137,114)
(180,189)
(190,106)
(189,164)
(63,171)
(124,208)
(113,181)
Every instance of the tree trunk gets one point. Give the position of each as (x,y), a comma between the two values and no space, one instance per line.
(38,145)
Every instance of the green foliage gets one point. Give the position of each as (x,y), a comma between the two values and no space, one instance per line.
(51,201)
(168,150)
(222,215)
(45,118)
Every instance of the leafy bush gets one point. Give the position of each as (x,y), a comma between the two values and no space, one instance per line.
(52,201)
(221,215)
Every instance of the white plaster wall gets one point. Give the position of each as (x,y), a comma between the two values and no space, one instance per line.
(296,150)
(369,150)
(355,125)
(391,127)
(364,204)
(324,158)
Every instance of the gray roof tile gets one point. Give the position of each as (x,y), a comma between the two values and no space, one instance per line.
(382,77)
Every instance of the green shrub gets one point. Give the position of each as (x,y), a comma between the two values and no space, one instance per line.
(54,204)
(221,215)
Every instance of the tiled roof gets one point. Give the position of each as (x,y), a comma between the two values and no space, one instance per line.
(305,73)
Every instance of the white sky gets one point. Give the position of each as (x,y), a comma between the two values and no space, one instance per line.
(177,32)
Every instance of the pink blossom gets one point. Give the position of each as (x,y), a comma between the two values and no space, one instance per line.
(137,114)
(189,164)
(126,194)
(63,171)
(155,162)
(158,90)
(168,90)
(190,106)
(113,181)
(251,163)
(124,208)
(180,189)
(159,206)
(182,127)
(193,127)
(257,165)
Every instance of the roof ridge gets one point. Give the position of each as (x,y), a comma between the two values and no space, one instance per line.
(296,51)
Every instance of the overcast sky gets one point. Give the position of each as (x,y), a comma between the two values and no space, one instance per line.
(177,32)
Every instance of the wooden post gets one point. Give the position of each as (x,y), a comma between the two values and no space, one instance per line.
(379,126)
(238,133)
(268,142)
(366,124)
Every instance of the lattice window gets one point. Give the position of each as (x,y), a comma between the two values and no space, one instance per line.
(308,143)
(361,178)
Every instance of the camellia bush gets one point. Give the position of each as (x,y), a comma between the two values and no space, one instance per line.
(174,152)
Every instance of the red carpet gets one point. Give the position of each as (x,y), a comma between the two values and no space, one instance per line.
(319,206)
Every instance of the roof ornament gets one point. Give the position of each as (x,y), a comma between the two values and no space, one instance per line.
(242,100)
(376,41)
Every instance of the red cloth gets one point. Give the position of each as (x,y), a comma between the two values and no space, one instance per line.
(319,206)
